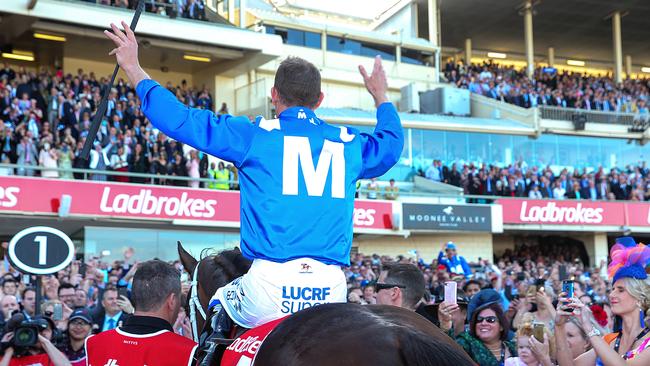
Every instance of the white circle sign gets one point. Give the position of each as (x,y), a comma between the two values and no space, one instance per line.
(40,250)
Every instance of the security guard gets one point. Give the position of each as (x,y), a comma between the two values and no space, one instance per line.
(147,338)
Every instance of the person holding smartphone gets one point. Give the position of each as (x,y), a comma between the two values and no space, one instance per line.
(630,302)
(532,349)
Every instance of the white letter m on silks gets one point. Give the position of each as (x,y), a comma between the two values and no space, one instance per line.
(297,150)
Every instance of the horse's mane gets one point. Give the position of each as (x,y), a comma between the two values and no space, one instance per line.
(233,263)
(224,266)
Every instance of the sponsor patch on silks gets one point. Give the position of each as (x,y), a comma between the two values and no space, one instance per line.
(243,350)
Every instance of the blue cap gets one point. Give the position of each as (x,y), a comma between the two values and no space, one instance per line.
(451,245)
(481,300)
(81,313)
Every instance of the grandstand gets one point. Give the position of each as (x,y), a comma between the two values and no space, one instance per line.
(465,97)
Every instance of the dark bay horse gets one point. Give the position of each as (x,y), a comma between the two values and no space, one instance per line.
(334,334)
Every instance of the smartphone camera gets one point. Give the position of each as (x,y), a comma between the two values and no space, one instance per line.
(567,287)
(538,332)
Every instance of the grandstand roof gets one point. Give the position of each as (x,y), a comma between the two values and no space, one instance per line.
(274,17)
(578,29)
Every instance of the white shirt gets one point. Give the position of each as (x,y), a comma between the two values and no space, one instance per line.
(433,173)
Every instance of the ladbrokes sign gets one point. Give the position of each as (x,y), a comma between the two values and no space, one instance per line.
(39,195)
(565,212)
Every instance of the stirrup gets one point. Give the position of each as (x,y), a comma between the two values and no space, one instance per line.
(221,341)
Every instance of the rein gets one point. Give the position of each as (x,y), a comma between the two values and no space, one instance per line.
(195,303)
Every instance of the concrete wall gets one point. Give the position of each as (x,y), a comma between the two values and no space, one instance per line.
(341,82)
(471,246)
(405,20)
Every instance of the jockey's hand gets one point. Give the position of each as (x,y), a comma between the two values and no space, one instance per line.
(126,52)
(376,83)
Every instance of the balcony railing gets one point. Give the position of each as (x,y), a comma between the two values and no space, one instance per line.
(86,174)
(572,114)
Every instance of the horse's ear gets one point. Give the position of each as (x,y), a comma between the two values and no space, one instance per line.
(189,263)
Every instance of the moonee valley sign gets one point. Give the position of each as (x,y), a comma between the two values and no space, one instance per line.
(446,217)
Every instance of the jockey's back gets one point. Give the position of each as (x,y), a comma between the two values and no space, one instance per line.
(297,174)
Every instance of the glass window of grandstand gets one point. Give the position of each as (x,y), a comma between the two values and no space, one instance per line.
(110,243)
(296,37)
(556,151)
(358,48)
(416,57)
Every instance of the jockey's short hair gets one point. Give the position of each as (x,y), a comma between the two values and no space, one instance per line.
(297,82)
(152,283)
(409,276)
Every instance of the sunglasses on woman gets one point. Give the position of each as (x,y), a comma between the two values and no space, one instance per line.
(489,319)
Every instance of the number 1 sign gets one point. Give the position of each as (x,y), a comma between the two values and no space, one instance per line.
(40,250)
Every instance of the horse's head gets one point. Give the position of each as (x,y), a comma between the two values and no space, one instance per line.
(210,273)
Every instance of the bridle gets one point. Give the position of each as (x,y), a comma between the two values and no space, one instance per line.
(195,303)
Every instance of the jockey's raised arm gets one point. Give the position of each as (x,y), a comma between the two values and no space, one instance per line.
(225,136)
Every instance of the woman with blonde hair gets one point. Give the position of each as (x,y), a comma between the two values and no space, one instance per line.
(630,301)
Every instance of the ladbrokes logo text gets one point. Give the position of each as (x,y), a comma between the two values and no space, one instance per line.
(8,196)
(146,203)
(551,213)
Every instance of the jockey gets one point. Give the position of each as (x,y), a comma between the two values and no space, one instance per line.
(297,175)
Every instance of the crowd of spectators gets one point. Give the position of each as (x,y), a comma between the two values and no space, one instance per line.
(521,180)
(45,118)
(548,87)
(94,296)
(499,301)
(189,9)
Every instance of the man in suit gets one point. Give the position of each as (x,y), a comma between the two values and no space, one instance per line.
(67,110)
(545,187)
(27,154)
(603,188)
(489,184)
(108,315)
(591,192)
(621,189)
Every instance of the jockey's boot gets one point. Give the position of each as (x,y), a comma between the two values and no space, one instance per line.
(217,338)
(223,325)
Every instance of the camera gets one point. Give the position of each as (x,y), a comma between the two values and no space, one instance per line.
(25,331)
(26,334)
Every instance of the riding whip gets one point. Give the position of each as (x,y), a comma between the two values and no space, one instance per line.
(101,110)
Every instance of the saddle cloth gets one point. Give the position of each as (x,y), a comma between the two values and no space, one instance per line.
(243,350)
